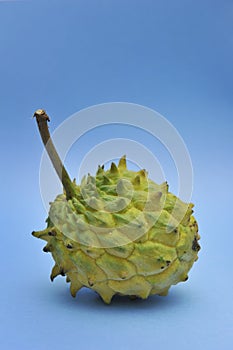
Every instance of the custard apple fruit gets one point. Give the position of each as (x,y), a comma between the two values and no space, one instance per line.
(118,232)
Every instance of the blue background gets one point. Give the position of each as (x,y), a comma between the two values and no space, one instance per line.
(173,56)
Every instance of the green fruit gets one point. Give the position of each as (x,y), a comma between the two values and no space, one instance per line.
(119,233)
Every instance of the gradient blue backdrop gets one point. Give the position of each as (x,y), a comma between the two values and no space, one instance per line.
(174,56)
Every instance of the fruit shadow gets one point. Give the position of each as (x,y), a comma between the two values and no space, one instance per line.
(89,300)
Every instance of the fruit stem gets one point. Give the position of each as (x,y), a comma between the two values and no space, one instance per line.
(42,122)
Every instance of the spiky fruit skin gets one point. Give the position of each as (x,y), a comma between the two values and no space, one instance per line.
(117,239)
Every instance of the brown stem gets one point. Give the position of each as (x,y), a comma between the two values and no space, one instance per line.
(42,122)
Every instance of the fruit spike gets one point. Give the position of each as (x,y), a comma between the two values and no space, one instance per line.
(114,169)
(136,181)
(151,240)
(122,163)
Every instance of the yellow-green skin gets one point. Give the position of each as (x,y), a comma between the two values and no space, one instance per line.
(157,251)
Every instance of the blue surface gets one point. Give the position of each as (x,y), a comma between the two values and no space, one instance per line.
(173,56)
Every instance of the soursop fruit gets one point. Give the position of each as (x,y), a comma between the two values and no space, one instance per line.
(118,232)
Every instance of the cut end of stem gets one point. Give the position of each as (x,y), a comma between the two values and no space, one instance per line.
(40,113)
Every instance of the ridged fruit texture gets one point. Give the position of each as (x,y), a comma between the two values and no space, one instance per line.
(121,234)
